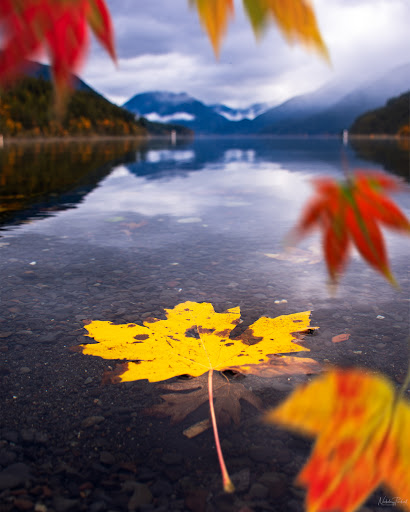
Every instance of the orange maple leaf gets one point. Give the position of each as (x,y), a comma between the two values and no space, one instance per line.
(214,15)
(362,430)
(295,19)
(349,213)
(60,27)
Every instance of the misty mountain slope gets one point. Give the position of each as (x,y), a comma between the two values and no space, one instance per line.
(162,103)
(332,119)
(239,114)
(178,108)
(298,107)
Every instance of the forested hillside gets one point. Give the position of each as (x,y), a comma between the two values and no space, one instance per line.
(27,110)
(392,119)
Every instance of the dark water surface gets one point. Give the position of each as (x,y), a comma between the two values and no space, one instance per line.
(120,231)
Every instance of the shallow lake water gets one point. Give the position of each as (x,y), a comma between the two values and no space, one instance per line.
(119,231)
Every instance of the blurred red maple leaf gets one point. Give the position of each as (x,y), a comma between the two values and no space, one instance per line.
(58,26)
(361,425)
(349,213)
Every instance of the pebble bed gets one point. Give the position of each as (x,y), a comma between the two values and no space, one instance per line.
(67,443)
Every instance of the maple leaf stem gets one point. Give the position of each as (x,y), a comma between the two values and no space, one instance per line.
(226,481)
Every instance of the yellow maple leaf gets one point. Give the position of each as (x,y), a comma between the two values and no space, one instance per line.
(363,439)
(167,348)
(193,340)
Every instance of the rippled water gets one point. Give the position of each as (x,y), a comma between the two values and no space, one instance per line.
(120,231)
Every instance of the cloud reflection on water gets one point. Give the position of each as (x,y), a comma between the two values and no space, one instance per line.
(242,193)
(201,193)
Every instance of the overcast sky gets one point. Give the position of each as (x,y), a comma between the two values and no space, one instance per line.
(161,46)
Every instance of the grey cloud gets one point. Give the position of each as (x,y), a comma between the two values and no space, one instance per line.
(169,34)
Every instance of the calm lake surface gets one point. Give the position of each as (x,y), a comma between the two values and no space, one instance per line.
(119,231)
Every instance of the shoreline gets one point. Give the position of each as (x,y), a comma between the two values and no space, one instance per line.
(147,138)
(82,138)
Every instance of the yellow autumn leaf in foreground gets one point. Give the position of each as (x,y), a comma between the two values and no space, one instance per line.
(363,439)
(295,18)
(193,340)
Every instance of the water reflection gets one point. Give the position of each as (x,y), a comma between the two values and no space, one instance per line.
(253,186)
(245,192)
(54,175)
(167,155)
(393,155)
(59,175)
(209,195)
(310,154)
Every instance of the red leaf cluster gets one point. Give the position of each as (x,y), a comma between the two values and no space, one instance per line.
(350,213)
(58,26)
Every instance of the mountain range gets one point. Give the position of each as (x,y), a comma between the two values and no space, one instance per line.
(328,110)
(168,107)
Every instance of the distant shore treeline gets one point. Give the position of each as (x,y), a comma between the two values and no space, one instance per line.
(392,119)
(26,110)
